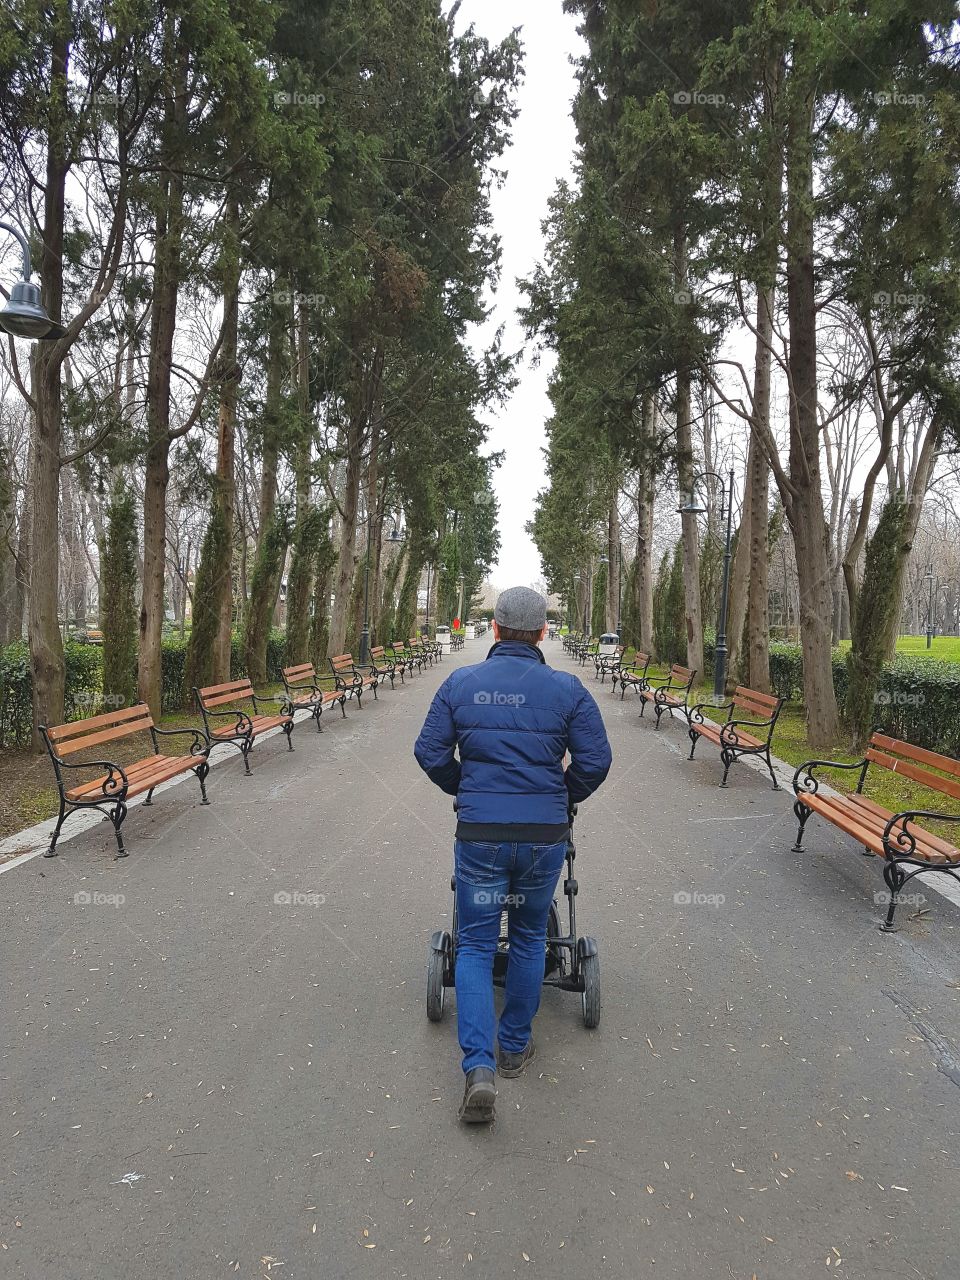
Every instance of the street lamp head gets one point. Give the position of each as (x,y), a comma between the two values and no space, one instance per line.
(604,559)
(394,536)
(25,315)
(690,506)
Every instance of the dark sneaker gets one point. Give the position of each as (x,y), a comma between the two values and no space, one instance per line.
(512,1064)
(479,1096)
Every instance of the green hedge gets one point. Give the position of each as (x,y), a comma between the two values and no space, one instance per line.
(918,699)
(84,680)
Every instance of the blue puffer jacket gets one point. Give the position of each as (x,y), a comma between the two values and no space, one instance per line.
(513,718)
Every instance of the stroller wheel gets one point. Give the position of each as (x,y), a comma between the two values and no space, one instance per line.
(435,967)
(590,968)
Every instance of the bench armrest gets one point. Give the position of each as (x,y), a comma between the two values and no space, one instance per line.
(115,781)
(696,713)
(803,779)
(244,724)
(199,747)
(904,842)
(729,732)
(282,698)
(353,682)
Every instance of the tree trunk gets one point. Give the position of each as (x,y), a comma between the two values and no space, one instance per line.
(168,241)
(273,538)
(343,578)
(9,630)
(614,621)
(226,493)
(693,616)
(75,587)
(23,555)
(805,511)
(46,645)
(739,586)
(757,664)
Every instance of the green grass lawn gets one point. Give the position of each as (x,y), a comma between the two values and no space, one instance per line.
(946,648)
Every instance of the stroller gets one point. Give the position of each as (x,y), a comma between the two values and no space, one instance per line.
(570,963)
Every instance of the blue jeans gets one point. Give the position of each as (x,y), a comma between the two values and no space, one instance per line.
(490,877)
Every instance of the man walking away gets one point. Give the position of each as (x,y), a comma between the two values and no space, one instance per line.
(512,719)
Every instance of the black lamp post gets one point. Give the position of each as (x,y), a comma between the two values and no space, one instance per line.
(394,538)
(576,583)
(24,315)
(460,582)
(930,577)
(692,508)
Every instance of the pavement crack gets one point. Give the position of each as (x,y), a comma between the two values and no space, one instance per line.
(948,1063)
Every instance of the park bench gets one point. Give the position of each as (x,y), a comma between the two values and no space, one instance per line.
(457,639)
(736,737)
(668,695)
(305,693)
(110,791)
(352,678)
(419,646)
(386,667)
(632,675)
(608,663)
(398,653)
(248,724)
(414,659)
(588,648)
(895,837)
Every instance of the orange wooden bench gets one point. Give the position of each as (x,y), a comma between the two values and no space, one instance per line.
(110,791)
(895,837)
(351,678)
(385,666)
(304,691)
(668,695)
(424,650)
(633,675)
(413,658)
(608,662)
(247,724)
(733,736)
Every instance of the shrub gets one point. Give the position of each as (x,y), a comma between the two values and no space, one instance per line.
(83,688)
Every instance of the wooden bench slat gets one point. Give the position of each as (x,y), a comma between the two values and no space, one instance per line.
(298,672)
(75,728)
(847,822)
(767,700)
(71,745)
(866,825)
(936,842)
(213,689)
(759,709)
(142,776)
(894,746)
(946,786)
(223,698)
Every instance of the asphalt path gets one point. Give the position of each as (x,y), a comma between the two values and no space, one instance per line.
(216,1062)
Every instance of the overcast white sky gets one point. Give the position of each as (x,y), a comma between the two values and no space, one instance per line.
(542,152)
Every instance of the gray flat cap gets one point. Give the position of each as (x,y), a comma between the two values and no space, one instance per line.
(521,609)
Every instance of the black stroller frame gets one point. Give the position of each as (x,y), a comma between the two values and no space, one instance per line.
(571,963)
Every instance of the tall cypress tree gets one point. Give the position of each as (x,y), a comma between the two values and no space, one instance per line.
(120,601)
